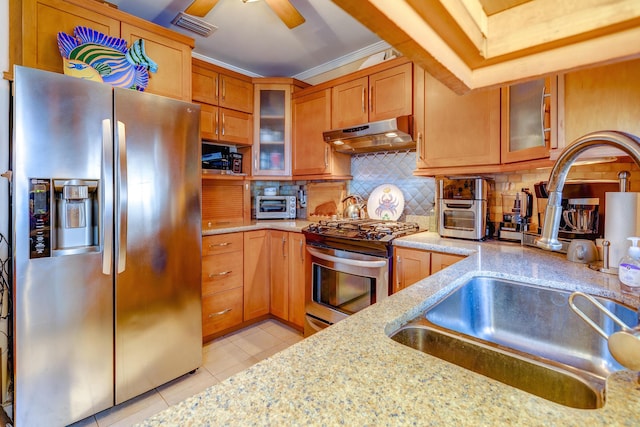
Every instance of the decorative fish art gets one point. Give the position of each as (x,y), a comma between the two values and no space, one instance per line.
(95,56)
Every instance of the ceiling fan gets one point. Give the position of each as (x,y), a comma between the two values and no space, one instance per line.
(283,8)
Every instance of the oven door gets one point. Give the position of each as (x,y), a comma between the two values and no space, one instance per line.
(344,282)
(463,218)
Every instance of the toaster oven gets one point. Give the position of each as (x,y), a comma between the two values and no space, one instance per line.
(463,207)
(276,207)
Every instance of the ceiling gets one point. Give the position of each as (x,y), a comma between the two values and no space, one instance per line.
(252,40)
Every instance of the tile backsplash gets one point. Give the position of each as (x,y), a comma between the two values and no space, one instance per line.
(393,167)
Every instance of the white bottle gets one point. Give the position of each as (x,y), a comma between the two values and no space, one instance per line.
(629,266)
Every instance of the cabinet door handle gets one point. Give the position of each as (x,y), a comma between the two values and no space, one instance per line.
(363,100)
(219,313)
(221,274)
(217,92)
(217,123)
(370,99)
(398,270)
(224,91)
(421,146)
(284,241)
(222,131)
(223,244)
(326,157)
(301,251)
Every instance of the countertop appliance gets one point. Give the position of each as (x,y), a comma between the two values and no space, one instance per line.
(106,245)
(463,211)
(583,210)
(350,267)
(517,210)
(276,207)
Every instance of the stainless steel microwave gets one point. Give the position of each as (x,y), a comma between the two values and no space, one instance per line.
(276,207)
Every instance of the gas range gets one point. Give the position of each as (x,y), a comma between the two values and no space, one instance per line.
(371,236)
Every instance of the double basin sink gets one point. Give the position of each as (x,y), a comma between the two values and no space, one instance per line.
(523,335)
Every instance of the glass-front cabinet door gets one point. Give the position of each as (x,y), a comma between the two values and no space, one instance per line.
(272,138)
(526,120)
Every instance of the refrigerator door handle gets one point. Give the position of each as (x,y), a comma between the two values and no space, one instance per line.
(105,199)
(122,199)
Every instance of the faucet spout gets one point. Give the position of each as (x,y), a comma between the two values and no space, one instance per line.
(626,142)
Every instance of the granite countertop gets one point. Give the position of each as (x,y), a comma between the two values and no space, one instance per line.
(353,374)
(275,224)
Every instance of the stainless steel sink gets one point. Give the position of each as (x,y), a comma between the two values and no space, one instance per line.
(522,335)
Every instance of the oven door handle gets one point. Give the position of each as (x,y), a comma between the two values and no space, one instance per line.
(346,261)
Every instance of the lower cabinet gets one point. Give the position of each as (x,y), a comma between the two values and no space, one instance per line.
(248,275)
(256,274)
(222,282)
(287,278)
(412,265)
(409,266)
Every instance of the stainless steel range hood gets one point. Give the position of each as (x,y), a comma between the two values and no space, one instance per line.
(384,135)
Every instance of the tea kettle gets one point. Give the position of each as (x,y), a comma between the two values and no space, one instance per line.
(354,207)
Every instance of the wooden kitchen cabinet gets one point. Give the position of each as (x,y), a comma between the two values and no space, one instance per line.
(526,121)
(313,158)
(288,257)
(600,98)
(459,130)
(225,202)
(411,265)
(173,78)
(440,261)
(222,282)
(216,86)
(271,151)
(381,95)
(33,41)
(223,125)
(256,274)
(226,104)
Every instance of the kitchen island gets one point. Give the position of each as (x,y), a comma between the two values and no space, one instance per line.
(353,374)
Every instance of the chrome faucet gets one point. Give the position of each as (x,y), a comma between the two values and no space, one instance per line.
(626,142)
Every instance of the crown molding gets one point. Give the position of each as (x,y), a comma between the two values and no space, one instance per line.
(365,52)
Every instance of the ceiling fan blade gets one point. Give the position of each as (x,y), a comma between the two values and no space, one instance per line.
(285,10)
(200,7)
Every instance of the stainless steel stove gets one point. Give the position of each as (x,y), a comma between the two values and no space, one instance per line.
(350,266)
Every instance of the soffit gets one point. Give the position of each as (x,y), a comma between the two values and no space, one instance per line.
(469,44)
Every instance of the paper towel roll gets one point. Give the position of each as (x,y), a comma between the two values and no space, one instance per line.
(622,220)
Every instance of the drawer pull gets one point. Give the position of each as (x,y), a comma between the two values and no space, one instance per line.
(220,313)
(222,273)
(213,245)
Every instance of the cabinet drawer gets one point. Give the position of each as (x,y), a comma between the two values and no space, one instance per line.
(221,243)
(221,310)
(221,272)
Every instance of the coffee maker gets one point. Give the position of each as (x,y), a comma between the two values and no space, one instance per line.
(583,210)
(517,210)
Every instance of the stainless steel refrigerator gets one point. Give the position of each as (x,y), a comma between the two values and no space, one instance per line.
(106,245)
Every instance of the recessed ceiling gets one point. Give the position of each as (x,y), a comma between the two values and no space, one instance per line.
(251,39)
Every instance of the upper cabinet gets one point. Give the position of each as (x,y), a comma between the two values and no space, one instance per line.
(226,104)
(272,126)
(216,86)
(457,130)
(601,98)
(312,157)
(380,95)
(33,40)
(526,121)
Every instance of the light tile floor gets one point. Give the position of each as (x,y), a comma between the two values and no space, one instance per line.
(221,358)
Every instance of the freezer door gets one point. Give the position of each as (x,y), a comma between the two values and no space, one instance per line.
(158,241)
(63,299)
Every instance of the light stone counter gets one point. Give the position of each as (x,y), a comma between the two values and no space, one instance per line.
(276,224)
(353,374)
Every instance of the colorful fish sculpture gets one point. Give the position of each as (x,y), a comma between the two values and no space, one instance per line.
(92,55)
